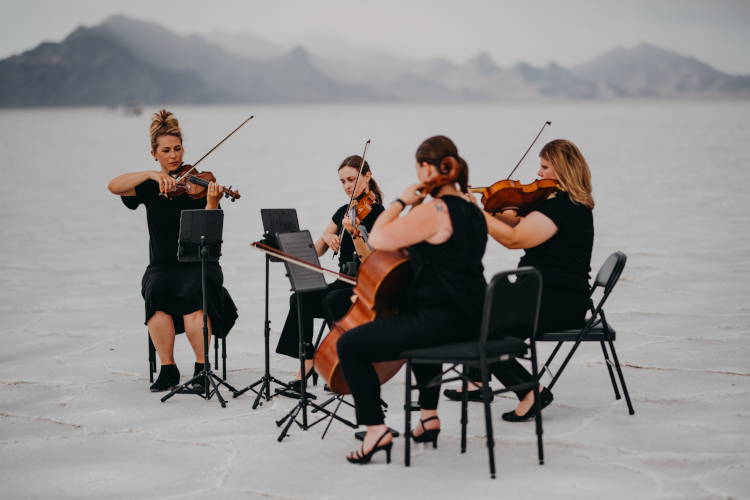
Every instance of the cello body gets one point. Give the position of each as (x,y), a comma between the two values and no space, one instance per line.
(383,277)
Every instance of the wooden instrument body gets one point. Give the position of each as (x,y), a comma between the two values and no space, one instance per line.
(382,279)
(509,194)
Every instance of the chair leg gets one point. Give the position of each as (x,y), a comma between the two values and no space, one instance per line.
(631,411)
(609,369)
(223,358)
(537,405)
(488,415)
(151,359)
(549,360)
(464,407)
(216,352)
(407,415)
(564,364)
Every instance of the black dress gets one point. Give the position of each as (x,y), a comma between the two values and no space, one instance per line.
(171,286)
(444,305)
(564,262)
(329,303)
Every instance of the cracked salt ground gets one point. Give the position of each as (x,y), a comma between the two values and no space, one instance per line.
(77,420)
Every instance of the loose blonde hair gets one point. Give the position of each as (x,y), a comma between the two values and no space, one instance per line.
(163,123)
(571,168)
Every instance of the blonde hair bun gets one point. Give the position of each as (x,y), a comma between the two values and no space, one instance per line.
(163,123)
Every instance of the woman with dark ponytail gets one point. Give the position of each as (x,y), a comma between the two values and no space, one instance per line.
(171,289)
(446,238)
(332,302)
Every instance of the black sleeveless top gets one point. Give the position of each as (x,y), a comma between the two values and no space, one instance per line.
(451,275)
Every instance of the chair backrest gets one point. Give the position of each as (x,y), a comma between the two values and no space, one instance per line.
(607,278)
(511,304)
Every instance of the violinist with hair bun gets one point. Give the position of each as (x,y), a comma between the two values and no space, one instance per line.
(171,289)
(343,236)
(557,236)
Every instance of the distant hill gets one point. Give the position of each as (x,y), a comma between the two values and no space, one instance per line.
(649,71)
(124,60)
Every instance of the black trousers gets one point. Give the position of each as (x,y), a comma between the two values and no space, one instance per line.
(558,311)
(383,340)
(327,303)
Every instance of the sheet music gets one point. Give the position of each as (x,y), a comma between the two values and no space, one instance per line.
(300,244)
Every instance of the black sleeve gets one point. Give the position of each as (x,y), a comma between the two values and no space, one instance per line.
(558,209)
(144,193)
(338,216)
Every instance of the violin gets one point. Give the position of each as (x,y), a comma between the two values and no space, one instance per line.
(358,211)
(195,184)
(509,194)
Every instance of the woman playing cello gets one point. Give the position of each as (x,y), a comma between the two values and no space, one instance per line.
(171,289)
(446,238)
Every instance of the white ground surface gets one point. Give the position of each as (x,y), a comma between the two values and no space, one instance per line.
(76,417)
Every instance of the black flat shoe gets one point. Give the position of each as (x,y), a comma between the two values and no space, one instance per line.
(427,434)
(360,457)
(545,398)
(169,377)
(472,395)
(360,435)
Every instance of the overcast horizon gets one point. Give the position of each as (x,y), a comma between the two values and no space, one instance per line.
(568,34)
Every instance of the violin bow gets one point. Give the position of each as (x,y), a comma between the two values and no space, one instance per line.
(529,149)
(214,148)
(354,190)
(302,263)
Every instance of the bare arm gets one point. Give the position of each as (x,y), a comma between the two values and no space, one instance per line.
(329,238)
(531,231)
(124,185)
(510,217)
(426,222)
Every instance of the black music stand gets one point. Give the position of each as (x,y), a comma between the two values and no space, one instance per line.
(300,245)
(200,241)
(275,220)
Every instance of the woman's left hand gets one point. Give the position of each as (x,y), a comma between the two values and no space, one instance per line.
(412,196)
(214,195)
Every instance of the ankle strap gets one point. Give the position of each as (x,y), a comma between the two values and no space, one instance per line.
(428,419)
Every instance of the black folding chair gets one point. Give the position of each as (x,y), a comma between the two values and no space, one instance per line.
(152,356)
(511,310)
(596,329)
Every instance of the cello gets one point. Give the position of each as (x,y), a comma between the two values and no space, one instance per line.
(382,276)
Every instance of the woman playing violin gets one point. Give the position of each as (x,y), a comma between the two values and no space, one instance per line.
(171,289)
(557,237)
(332,302)
(446,238)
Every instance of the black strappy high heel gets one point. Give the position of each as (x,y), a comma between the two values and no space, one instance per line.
(428,434)
(364,458)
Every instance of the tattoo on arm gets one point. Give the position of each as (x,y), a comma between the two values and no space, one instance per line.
(440,205)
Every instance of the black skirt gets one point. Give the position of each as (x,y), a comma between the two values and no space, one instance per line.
(176,290)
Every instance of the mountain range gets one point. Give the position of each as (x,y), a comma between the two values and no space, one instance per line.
(125,60)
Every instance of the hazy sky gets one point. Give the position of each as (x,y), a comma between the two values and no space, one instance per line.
(564,31)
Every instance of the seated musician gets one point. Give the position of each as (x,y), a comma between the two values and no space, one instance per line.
(446,238)
(332,302)
(557,236)
(171,289)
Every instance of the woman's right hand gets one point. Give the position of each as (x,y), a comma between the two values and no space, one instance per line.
(166,182)
(332,240)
